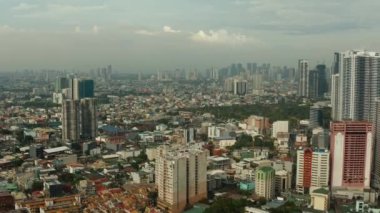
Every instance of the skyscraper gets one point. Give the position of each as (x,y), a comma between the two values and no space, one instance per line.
(376,164)
(351,155)
(86,88)
(240,87)
(336,108)
(181,177)
(358,87)
(88,118)
(312,169)
(61,83)
(70,120)
(265,182)
(73,89)
(315,116)
(303,69)
(313,84)
(81,88)
(323,86)
(336,63)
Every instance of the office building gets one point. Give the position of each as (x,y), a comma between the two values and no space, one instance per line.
(70,120)
(336,108)
(240,87)
(358,87)
(351,155)
(88,118)
(86,88)
(81,88)
(181,177)
(60,84)
(323,86)
(303,86)
(265,182)
(336,63)
(312,169)
(313,84)
(376,164)
(315,116)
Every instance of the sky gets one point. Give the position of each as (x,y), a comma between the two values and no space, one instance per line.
(149,35)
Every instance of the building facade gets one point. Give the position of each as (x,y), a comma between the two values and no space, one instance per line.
(70,120)
(303,69)
(88,118)
(358,87)
(312,169)
(181,177)
(265,182)
(351,155)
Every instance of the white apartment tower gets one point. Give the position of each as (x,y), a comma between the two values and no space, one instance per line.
(356,86)
(181,177)
(312,169)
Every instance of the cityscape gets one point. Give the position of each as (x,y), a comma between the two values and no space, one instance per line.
(233,134)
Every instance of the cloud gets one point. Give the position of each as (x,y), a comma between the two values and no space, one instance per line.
(24,7)
(77,29)
(8,29)
(168,29)
(146,32)
(67,8)
(220,36)
(58,10)
(95,29)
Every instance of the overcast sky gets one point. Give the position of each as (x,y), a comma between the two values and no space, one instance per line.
(145,35)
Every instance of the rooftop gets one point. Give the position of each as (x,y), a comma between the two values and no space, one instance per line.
(56,149)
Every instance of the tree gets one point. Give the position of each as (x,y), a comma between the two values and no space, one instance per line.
(243,141)
(227,205)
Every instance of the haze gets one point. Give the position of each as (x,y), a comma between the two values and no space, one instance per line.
(146,35)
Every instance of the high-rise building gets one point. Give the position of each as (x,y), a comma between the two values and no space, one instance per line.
(189,135)
(336,63)
(376,164)
(351,155)
(86,88)
(265,182)
(323,86)
(240,87)
(358,87)
(60,84)
(312,169)
(181,177)
(282,181)
(73,89)
(81,88)
(336,108)
(88,118)
(315,116)
(313,84)
(70,120)
(303,69)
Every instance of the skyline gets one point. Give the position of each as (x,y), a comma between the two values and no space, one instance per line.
(146,35)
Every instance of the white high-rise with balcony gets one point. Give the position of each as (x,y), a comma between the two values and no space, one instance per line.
(356,85)
(181,177)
